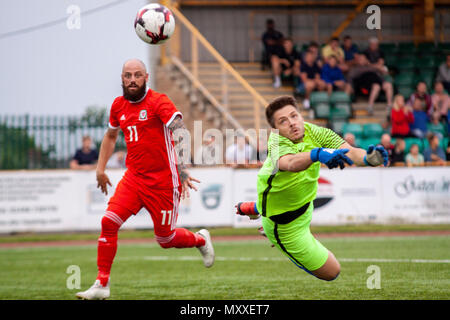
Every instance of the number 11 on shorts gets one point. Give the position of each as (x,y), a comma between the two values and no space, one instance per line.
(168,214)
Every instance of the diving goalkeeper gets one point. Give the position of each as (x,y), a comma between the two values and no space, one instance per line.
(287,184)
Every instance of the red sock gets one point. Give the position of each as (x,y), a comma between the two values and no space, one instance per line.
(106,250)
(184,239)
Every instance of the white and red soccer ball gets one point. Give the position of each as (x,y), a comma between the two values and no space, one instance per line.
(154,23)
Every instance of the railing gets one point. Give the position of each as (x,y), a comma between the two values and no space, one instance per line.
(222,76)
(38,142)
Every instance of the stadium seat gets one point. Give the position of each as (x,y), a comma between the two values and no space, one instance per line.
(405,91)
(406,65)
(391,61)
(404,79)
(341,105)
(425,64)
(406,48)
(320,103)
(427,77)
(337,125)
(388,48)
(354,128)
(372,130)
(426,48)
(365,143)
(410,141)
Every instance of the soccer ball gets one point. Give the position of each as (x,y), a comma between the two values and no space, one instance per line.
(154,23)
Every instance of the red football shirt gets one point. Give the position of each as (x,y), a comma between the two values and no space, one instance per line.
(150,148)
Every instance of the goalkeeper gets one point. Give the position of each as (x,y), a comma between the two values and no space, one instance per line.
(287,184)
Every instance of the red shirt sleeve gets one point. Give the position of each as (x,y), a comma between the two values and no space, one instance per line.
(166,110)
(113,119)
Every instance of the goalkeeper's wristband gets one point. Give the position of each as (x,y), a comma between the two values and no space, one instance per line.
(314,154)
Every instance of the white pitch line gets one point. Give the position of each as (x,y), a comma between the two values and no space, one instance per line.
(247,259)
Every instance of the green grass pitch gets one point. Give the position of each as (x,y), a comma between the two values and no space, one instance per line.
(410,268)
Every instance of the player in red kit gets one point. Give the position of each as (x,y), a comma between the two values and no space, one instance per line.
(153,178)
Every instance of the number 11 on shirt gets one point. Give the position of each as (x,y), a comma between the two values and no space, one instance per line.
(132,130)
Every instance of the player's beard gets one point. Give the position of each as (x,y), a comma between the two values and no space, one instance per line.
(138,95)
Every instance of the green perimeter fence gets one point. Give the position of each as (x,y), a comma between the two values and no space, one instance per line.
(46,142)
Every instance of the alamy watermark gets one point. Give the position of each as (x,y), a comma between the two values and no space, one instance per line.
(73,22)
(374,280)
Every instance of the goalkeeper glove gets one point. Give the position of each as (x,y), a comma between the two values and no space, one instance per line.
(375,156)
(332,158)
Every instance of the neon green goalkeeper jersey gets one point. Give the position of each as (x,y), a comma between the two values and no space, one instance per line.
(282,191)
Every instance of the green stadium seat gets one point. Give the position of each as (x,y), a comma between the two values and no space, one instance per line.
(354,128)
(320,103)
(426,63)
(337,125)
(388,48)
(411,141)
(391,60)
(405,91)
(341,105)
(372,130)
(365,143)
(406,65)
(406,48)
(426,48)
(427,77)
(404,79)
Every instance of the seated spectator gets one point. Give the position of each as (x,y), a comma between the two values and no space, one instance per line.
(286,62)
(436,126)
(401,118)
(239,152)
(375,55)
(209,153)
(419,128)
(350,139)
(313,47)
(117,160)
(414,158)
(334,49)
(333,77)
(443,74)
(350,50)
(434,153)
(272,40)
(440,100)
(386,143)
(398,153)
(86,157)
(422,95)
(367,79)
(310,76)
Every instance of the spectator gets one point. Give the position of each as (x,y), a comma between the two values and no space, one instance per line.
(398,153)
(86,157)
(261,152)
(333,77)
(443,74)
(422,95)
(350,50)
(368,79)
(375,55)
(272,40)
(334,49)
(286,62)
(314,49)
(401,118)
(117,160)
(419,128)
(209,153)
(414,158)
(239,152)
(440,100)
(436,126)
(386,143)
(310,76)
(350,139)
(434,153)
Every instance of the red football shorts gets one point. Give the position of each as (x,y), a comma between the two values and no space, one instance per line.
(162,204)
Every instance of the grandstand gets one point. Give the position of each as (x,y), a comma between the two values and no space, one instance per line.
(235,85)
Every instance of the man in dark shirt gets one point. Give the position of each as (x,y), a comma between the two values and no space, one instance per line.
(286,62)
(86,157)
(272,39)
(310,76)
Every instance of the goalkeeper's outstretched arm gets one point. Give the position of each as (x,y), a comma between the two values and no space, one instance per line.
(373,156)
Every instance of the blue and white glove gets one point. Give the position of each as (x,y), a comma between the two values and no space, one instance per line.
(332,158)
(376,156)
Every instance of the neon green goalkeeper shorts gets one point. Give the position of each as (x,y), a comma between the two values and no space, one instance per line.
(295,240)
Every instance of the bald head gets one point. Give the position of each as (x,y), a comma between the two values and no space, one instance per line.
(134,64)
